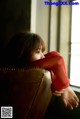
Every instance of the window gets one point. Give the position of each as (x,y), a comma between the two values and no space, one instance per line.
(75,47)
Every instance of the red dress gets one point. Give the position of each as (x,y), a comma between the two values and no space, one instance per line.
(54,63)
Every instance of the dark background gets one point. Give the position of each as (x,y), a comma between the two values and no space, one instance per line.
(14,17)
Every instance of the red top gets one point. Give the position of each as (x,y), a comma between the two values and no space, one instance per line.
(54,63)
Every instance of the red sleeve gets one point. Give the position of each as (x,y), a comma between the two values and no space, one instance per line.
(54,62)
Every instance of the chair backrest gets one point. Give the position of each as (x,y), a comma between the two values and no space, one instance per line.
(27,91)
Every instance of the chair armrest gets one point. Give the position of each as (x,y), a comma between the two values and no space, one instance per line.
(27,91)
(42,98)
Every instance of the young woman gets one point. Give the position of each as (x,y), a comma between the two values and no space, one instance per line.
(26,50)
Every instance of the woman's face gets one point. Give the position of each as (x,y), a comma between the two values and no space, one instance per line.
(37,54)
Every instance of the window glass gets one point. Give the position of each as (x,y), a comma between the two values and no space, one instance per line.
(75,46)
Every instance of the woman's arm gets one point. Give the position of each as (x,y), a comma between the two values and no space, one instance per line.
(54,62)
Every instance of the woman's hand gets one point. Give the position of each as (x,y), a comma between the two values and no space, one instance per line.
(69,98)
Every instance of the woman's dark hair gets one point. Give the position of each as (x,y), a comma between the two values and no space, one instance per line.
(18,51)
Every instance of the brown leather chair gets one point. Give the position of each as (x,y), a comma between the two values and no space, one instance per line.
(27,91)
